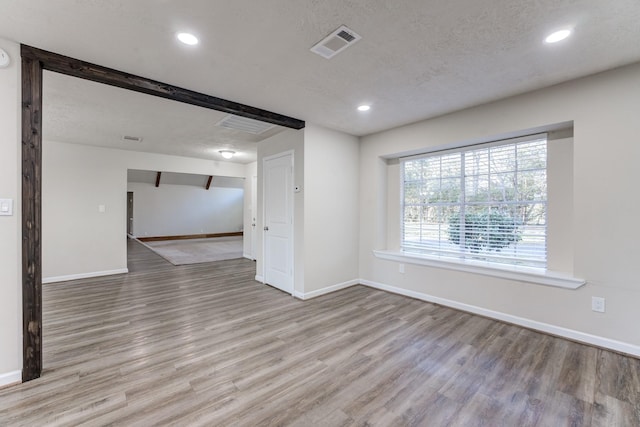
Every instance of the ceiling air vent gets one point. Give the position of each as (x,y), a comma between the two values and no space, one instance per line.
(131,138)
(335,42)
(244,124)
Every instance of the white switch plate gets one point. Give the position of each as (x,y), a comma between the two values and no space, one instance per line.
(597,304)
(6,207)
(4,59)
(401,268)
(102,208)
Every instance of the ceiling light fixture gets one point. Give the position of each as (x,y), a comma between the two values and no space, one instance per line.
(227,154)
(557,36)
(364,108)
(187,38)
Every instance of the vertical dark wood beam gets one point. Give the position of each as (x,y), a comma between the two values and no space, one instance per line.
(209,182)
(158,179)
(31,218)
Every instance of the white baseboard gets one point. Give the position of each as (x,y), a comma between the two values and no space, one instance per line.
(326,290)
(248,256)
(559,331)
(10,378)
(83,275)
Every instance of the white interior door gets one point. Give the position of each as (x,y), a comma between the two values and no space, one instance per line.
(278,221)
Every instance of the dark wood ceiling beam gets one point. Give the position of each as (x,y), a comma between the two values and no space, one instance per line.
(158,179)
(97,73)
(209,182)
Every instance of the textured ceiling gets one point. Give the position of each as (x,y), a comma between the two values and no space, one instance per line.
(83,112)
(417,58)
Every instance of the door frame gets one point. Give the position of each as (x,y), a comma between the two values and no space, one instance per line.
(254,216)
(291,154)
(34,61)
(130,214)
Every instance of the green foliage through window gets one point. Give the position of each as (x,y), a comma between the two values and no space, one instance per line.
(489,230)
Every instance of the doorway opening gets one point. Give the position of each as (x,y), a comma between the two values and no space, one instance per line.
(34,62)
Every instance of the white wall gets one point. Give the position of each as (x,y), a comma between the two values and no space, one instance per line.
(174,210)
(77,239)
(325,210)
(331,220)
(285,141)
(602,207)
(10,226)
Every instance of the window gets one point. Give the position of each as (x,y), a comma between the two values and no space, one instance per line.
(485,202)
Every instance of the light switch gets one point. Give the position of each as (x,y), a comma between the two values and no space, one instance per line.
(102,208)
(6,207)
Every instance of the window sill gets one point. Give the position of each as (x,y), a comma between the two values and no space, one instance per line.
(524,274)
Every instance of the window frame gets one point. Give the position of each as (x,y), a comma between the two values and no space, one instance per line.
(463,255)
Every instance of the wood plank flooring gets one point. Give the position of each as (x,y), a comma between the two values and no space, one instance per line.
(207,345)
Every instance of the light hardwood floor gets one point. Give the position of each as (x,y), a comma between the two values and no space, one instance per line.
(206,345)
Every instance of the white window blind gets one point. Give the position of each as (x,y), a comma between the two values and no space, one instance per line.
(486,202)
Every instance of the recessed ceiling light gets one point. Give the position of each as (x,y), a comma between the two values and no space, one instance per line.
(187,38)
(364,108)
(557,36)
(227,154)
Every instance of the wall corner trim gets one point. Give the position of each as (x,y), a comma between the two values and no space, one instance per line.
(10,378)
(326,290)
(84,275)
(570,334)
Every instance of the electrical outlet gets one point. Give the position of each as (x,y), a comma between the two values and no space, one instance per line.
(401,268)
(597,304)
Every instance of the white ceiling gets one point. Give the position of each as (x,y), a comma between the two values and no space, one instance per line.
(83,112)
(417,58)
